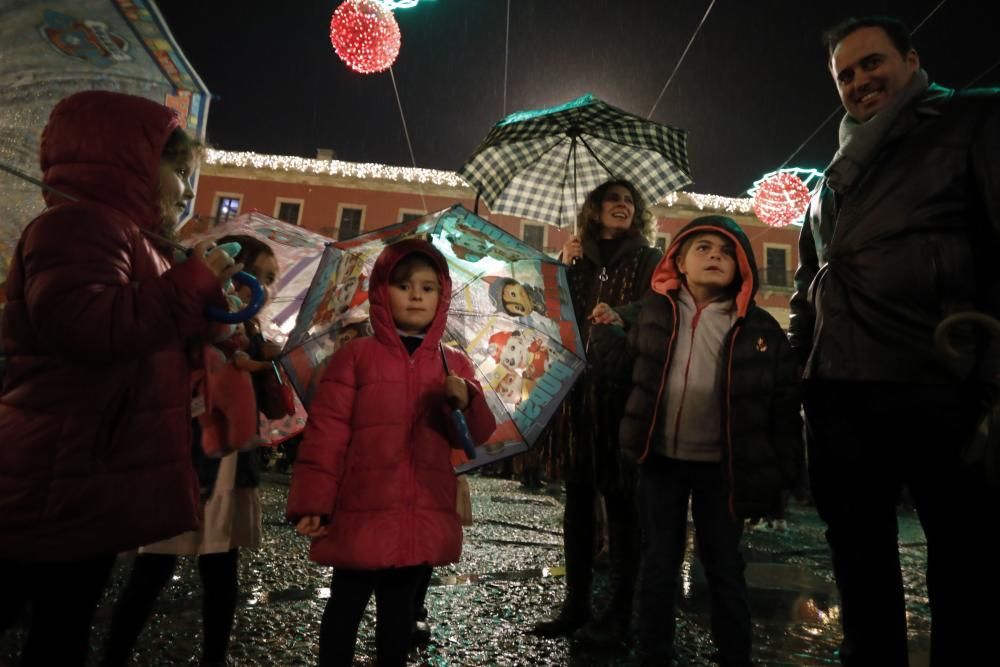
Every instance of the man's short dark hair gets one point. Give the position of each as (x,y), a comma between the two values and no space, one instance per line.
(896,29)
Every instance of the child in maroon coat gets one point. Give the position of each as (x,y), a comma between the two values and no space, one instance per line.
(373,483)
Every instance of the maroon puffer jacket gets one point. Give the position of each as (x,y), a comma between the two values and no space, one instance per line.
(95,427)
(376,456)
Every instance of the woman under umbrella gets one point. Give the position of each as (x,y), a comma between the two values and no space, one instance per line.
(611,262)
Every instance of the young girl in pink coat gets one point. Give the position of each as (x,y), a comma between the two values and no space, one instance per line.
(373,483)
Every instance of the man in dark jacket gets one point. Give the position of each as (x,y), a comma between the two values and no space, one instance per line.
(899,236)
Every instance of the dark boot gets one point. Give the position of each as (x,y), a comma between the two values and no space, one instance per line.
(578,542)
(571,618)
(612,627)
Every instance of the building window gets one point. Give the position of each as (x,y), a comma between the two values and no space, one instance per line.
(407,214)
(349,223)
(226,208)
(288,210)
(776,263)
(533,235)
(662,242)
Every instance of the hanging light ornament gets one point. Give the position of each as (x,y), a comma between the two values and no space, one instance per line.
(780,199)
(365,35)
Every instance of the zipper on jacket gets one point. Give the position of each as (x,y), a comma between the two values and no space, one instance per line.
(411,446)
(687,368)
(663,379)
(602,279)
(728,422)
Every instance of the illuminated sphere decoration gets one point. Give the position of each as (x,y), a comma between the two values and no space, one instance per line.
(781,199)
(365,35)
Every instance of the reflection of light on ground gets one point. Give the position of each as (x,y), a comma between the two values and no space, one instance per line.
(686,578)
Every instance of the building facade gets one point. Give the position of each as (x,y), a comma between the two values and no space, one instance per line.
(343,199)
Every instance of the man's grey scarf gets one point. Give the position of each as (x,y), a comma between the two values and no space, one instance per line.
(860,142)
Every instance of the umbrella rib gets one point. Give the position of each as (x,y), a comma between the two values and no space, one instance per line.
(571,154)
(599,160)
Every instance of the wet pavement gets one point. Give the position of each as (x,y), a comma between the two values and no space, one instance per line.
(510,576)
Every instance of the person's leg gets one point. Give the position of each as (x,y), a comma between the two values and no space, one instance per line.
(220,583)
(662,493)
(578,542)
(854,461)
(421,630)
(150,573)
(394,593)
(957,510)
(338,632)
(717,539)
(623,542)
(420,597)
(63,603)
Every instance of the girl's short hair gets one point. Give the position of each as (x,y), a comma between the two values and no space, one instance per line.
(182,147)
(405,267)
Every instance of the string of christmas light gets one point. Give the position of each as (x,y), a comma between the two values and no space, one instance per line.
(399,4)
(710,202)
(365,35)
(375,171)
(362,170)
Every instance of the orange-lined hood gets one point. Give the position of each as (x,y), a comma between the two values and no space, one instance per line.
(666,277)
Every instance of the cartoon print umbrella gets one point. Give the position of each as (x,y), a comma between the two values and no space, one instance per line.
(56,48)
(298,252)
(541,164)
(510,313)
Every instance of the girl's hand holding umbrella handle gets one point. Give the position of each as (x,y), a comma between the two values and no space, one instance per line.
(458,396)
(458,392)
(219,260)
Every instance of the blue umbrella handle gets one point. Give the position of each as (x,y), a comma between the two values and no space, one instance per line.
(464,436)
(217,314)
(458,420)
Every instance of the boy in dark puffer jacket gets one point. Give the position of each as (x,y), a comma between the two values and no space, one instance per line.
(713,416)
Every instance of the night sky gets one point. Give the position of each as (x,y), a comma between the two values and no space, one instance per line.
(750,90)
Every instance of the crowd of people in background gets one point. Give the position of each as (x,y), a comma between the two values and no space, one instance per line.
(128,419)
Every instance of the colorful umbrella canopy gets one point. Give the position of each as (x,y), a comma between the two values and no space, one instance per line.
(510,313)
(298,252)
(55,48)
(541,164)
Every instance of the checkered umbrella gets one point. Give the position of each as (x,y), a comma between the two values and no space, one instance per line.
(541,164)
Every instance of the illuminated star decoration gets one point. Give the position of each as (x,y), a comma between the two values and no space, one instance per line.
(365,35)
(781,197)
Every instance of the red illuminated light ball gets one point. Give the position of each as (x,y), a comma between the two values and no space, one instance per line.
(781,200)
(365,35)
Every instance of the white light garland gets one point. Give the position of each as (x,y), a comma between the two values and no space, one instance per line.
(712,202)
(371,170)
(363,170)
